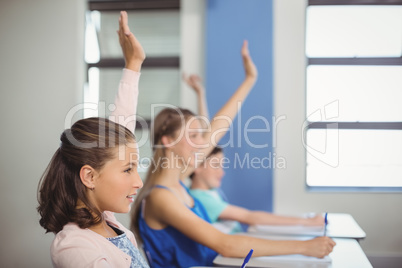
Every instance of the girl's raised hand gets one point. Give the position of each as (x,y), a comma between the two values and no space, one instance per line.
(194,81)
(249,67)
(133,52)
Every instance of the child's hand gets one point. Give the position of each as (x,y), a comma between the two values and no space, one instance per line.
(318,247)
(133,52)
(194,81)
(249,67)
(317,220)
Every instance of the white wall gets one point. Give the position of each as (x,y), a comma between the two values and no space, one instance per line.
(41,78)
(377,213)
(192,58)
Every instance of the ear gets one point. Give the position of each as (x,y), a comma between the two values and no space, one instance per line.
(87,175)
(166,141)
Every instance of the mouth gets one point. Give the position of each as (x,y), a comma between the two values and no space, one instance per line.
(131,197)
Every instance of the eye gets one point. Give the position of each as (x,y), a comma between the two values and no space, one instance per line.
(128,170)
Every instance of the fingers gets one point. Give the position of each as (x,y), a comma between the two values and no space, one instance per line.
(321,246)
(124,30)
(195,78)
(329,245)
(317,220)
(133,52)
(192,80)
(244,50)
(124,23)
(249,66)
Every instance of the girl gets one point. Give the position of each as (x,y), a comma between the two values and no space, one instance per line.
(206,180)
(92,175)
(173,226)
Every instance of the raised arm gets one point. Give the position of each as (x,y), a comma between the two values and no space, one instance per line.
(222,120)
(194,81)
(127,96)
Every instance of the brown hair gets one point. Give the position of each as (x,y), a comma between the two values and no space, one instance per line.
(166,123)
(215,151)
(91,141)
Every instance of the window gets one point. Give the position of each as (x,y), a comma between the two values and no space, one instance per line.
(353,130)
(156,23)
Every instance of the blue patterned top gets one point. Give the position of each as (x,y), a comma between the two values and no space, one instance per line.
(124,244)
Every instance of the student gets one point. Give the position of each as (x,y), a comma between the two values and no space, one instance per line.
(205,182)
(94,174)
(173,226)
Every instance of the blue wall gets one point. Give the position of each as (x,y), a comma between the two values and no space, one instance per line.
(229,22)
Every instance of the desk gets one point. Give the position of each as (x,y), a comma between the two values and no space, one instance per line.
(347,253)
(340,225)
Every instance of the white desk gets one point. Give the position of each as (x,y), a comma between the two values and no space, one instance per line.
(347,253)
(340,225)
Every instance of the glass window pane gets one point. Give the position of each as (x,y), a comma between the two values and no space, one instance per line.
(158,87)
(354,31)
(158,32)
(370,158)
(163,90)
(91,38)
(362,93)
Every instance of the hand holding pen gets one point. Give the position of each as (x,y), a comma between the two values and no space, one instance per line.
(325,223)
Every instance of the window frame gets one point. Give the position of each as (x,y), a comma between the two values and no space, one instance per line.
(149,62)
(385,61)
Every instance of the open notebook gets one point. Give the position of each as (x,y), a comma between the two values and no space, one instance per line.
(339,225)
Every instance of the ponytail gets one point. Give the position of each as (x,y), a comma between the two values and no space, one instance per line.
(166,123)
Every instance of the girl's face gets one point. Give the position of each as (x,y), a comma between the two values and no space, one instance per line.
(118,181)
(186,143)
(211,171)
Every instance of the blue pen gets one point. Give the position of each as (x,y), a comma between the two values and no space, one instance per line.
(325,223)
(247,258)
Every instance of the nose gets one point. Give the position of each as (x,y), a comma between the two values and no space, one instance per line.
(137,182)
(200,140)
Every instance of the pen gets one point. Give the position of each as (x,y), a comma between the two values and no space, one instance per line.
(247,258)
(325,223)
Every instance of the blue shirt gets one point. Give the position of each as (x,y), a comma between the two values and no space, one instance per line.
(215,205)
(168,247)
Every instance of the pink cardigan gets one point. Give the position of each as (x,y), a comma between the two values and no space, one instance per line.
(76,247)
(126,100)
